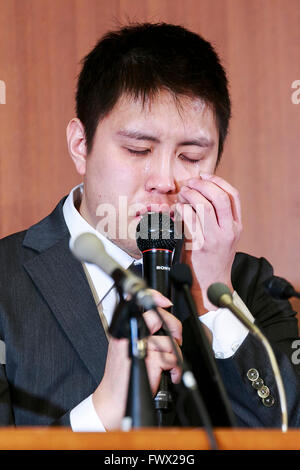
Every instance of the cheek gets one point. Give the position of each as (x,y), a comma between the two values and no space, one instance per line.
(126,180)
(185,171)
(118,181)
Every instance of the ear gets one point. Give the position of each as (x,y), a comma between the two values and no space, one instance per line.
(77,144)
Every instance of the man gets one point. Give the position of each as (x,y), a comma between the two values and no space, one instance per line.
(152,116)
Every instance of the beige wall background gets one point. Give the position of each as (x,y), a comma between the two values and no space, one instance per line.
(41,45)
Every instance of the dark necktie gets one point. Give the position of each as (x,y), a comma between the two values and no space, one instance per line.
(137,269)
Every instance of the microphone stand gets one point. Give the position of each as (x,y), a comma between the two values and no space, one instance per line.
(205,367)
(128,323)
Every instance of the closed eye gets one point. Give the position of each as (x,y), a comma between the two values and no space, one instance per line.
(189,160)
(138,152)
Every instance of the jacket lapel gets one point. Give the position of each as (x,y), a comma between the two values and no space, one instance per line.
(60,279)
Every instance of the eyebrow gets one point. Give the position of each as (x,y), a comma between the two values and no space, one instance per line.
(137,135)
(199,141)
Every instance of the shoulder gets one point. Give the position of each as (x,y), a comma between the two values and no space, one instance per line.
(39,236)
(248,272)
(245,262)
(277,317)
(11,245)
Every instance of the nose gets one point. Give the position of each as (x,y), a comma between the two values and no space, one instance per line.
(161,175)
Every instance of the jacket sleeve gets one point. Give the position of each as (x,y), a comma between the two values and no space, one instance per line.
(275,317)
(278,322)
(6,413)
(249,408)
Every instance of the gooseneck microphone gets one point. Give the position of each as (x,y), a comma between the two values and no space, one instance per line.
(87,247)
(155,236)
(220,295)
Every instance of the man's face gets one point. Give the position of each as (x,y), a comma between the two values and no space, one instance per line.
(142,155)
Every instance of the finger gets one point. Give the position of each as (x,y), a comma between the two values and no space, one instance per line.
(218,198)
(193,226)
(176,374)
(158,362)
(162,344)
(154,323)
(204,209)
(160,299)
(231,191)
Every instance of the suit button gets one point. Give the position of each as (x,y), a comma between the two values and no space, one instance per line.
(258,383)
(263,392)
(252,375)
(269,401)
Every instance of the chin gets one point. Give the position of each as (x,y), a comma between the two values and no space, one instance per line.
(130,247)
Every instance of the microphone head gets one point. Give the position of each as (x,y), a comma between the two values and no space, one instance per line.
(279,288)
(215,292)
(86,247)
(181,274)
(155,230)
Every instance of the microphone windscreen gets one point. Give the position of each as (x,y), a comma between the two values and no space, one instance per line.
(155,230)
(215,292)
(86,247)
(180,274)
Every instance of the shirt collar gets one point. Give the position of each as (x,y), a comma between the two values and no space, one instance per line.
(78,225)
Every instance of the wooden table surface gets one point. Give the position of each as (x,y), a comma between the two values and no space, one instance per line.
(147,439)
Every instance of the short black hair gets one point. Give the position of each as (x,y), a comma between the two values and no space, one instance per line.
(141,60)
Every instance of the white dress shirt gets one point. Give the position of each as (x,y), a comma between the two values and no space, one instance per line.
(227,331)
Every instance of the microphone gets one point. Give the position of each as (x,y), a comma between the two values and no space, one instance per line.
(280,288)
(155,236)
(220,295)
(139,408)
(87,247)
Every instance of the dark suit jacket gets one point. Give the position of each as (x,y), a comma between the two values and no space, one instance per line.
(56,347)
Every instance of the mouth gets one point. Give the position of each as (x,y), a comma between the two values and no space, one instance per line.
(155,208)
